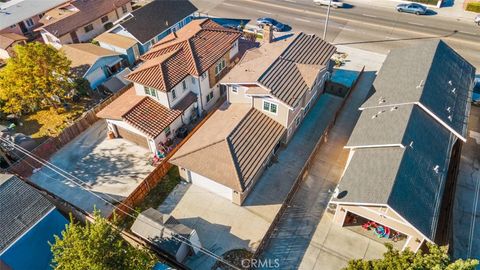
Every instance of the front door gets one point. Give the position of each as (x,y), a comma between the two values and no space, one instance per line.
(74,37)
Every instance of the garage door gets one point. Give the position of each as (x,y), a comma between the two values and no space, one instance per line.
(133,137)
(211,186)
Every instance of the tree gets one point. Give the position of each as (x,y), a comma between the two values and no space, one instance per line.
(36,74)
(436,259)
(97,246)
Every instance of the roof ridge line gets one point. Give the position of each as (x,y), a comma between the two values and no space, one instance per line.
(190,49)
(199,149)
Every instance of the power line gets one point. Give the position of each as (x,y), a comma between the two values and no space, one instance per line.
(62,173)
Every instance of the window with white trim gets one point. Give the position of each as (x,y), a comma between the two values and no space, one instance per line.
(235,88)
(167,131)
(270,107)
(104,19)
(204,75)
(220,66)
(174,95)
(29,22)
(88,28)
(150,91)
(124,9)
(209,96)
(184,85)
(193,80)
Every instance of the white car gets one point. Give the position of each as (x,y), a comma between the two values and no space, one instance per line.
(335,3)
(477,20)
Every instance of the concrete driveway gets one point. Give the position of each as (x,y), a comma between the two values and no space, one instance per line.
(305,237)
(222,225)
(109,167)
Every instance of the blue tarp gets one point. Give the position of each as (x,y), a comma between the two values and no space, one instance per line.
(32,251)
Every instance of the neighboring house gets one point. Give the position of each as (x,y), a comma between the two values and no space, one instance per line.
(8,41)
(270,90)
(405,149)
(167,233)
(22,16)
(146,26)
(177,82)
(93,63)
(28,222)
(81,20)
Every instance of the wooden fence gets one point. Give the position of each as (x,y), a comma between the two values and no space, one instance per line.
(152,179)
(266,238)
(25,166)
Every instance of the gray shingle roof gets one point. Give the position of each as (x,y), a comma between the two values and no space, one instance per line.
(157,16)
(20,208)
(16,11)
(432,74)
(403,178)
(162,230)
(285,78)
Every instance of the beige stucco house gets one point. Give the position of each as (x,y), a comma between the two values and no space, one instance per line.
(80,20)
(176,83)
(269,92)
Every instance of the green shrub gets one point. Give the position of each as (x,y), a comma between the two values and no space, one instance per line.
(474,6)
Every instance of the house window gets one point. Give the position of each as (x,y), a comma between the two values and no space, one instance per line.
(209,96)
(167,131)
(150,91)
(297,121)
(220,66)
(184,85)
(193,80)
(29,23)
(88,28)
(104,19)
(40,15)
(270,107)
(13,26)
(204,75)
(124,9)
(235,89)
(174,95)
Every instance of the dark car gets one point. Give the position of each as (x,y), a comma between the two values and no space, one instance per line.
(412,8)
(277,26)
(476,92)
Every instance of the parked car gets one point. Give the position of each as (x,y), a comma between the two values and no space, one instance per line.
(477,20)
(412,8)
(277,26)
(335,3)
(476,92)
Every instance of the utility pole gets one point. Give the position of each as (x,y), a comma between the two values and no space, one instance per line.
(326,20)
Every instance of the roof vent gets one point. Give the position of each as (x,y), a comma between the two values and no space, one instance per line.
(436,168)
(381,100)
(393,108)
(374,116)
(420,85)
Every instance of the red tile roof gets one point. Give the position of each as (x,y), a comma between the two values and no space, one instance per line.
(143,113)
(60,21)
(151,117)
(190,51)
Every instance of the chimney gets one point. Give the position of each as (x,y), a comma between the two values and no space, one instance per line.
(268,33)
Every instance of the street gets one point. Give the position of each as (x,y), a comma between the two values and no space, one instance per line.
(376,29)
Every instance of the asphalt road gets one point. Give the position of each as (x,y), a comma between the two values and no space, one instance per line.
(376,29)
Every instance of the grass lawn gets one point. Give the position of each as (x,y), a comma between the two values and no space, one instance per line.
(49,122)
(155,197)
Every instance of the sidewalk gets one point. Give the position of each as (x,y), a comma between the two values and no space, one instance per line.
(450,8)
